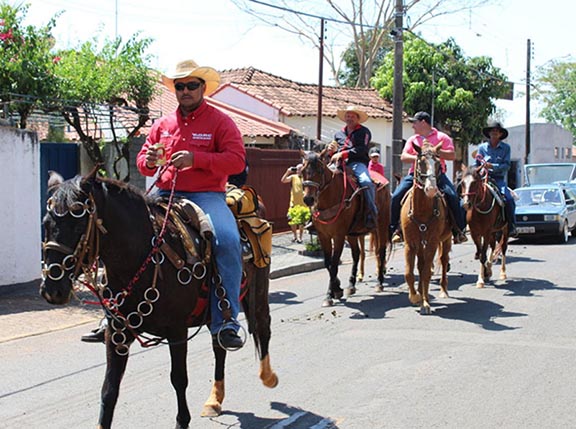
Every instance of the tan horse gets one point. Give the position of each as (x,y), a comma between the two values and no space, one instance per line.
(337,216)
(426,225)
(485,220)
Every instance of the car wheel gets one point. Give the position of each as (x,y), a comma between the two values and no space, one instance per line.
(564,234)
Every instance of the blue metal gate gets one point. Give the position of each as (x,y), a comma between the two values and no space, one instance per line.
(64,158)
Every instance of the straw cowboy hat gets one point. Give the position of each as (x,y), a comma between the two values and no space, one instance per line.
(492,125)
(361,113)
(189,68)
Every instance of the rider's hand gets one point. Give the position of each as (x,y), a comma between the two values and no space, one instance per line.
(182,159)
(332,147)
(151,156)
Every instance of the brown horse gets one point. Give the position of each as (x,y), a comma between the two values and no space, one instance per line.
(426,226)
(337,216)
(484,214)
(158,281)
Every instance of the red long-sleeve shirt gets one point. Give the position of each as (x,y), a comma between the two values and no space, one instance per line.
(213,138)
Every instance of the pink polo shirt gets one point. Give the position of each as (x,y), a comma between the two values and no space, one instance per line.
(434,138)
(213,138)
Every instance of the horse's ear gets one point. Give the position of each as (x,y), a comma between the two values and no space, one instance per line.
(418,149)
(438,147)
(54,179)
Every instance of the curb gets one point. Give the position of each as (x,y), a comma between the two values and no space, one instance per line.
(296,269)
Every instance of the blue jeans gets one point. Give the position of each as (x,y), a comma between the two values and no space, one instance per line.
(226,249)
(510,206)
(447,188)
(363,176)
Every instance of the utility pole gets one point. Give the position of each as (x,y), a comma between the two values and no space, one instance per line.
(398,96)
(527,133)
(320,84)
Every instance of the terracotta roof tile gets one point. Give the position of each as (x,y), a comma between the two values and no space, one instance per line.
(298,99)
(248,123)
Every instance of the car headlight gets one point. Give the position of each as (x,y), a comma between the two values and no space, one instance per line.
(551,218)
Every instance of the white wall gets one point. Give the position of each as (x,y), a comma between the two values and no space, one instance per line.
(239,99)
(20,252)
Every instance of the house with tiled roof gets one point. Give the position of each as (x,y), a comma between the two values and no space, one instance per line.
(296,105)
(256,130)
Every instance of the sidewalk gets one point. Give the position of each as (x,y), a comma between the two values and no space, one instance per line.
(286,259)
(23,313)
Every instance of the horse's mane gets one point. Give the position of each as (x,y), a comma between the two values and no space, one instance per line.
(66,193)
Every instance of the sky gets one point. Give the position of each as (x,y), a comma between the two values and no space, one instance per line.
(216,33)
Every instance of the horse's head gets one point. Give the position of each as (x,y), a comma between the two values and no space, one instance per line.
(427,169)
(67,223)
(471,186)
(315,175)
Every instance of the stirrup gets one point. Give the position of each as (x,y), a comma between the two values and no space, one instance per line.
(397,237)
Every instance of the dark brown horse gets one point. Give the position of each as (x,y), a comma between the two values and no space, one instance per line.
(156,287)
(484,214)
(426,226)
(337,216)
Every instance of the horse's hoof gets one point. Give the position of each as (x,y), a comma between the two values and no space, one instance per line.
(328,302)
(350,291)
(479,285)
(425,310)
(379,288)
(338,294)
(211,410)
(271,382)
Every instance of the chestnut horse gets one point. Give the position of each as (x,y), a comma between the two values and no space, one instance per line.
(157,284)
(426,226)
(337,216)
(484,214)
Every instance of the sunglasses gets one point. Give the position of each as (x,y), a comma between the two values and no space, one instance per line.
(191,86)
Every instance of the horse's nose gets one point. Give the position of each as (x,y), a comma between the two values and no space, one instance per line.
(309,201)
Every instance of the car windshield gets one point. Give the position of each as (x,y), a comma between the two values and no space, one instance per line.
(534,197)
(549,173)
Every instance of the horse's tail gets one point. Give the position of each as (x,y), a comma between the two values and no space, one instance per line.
(257,309)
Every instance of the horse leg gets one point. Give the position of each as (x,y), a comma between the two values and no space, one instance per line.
(115,367)
(257,312)
(356,255)
(481,256)
(424,276)
(213,405)
(379,241)
(362,247)
(410,257)
(503,247)
(179,375)
(445,262)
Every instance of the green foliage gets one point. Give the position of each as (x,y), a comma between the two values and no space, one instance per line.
(350,75)
(557,90)
(56,134)
(313,245)
(299,215)
(440,78)
(27,66)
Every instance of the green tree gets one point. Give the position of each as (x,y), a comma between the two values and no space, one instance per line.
(350,74)
(438,78)
(556,88)
(367,23)
(107,90)
(27,65)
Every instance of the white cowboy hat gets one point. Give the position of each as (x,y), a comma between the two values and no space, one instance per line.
(362,115)
(189,68)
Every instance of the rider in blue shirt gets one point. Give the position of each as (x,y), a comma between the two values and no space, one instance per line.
(495,153)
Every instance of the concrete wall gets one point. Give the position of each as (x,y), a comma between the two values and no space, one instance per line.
(20,252)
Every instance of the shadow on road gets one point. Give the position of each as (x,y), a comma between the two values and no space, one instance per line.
(297,418)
